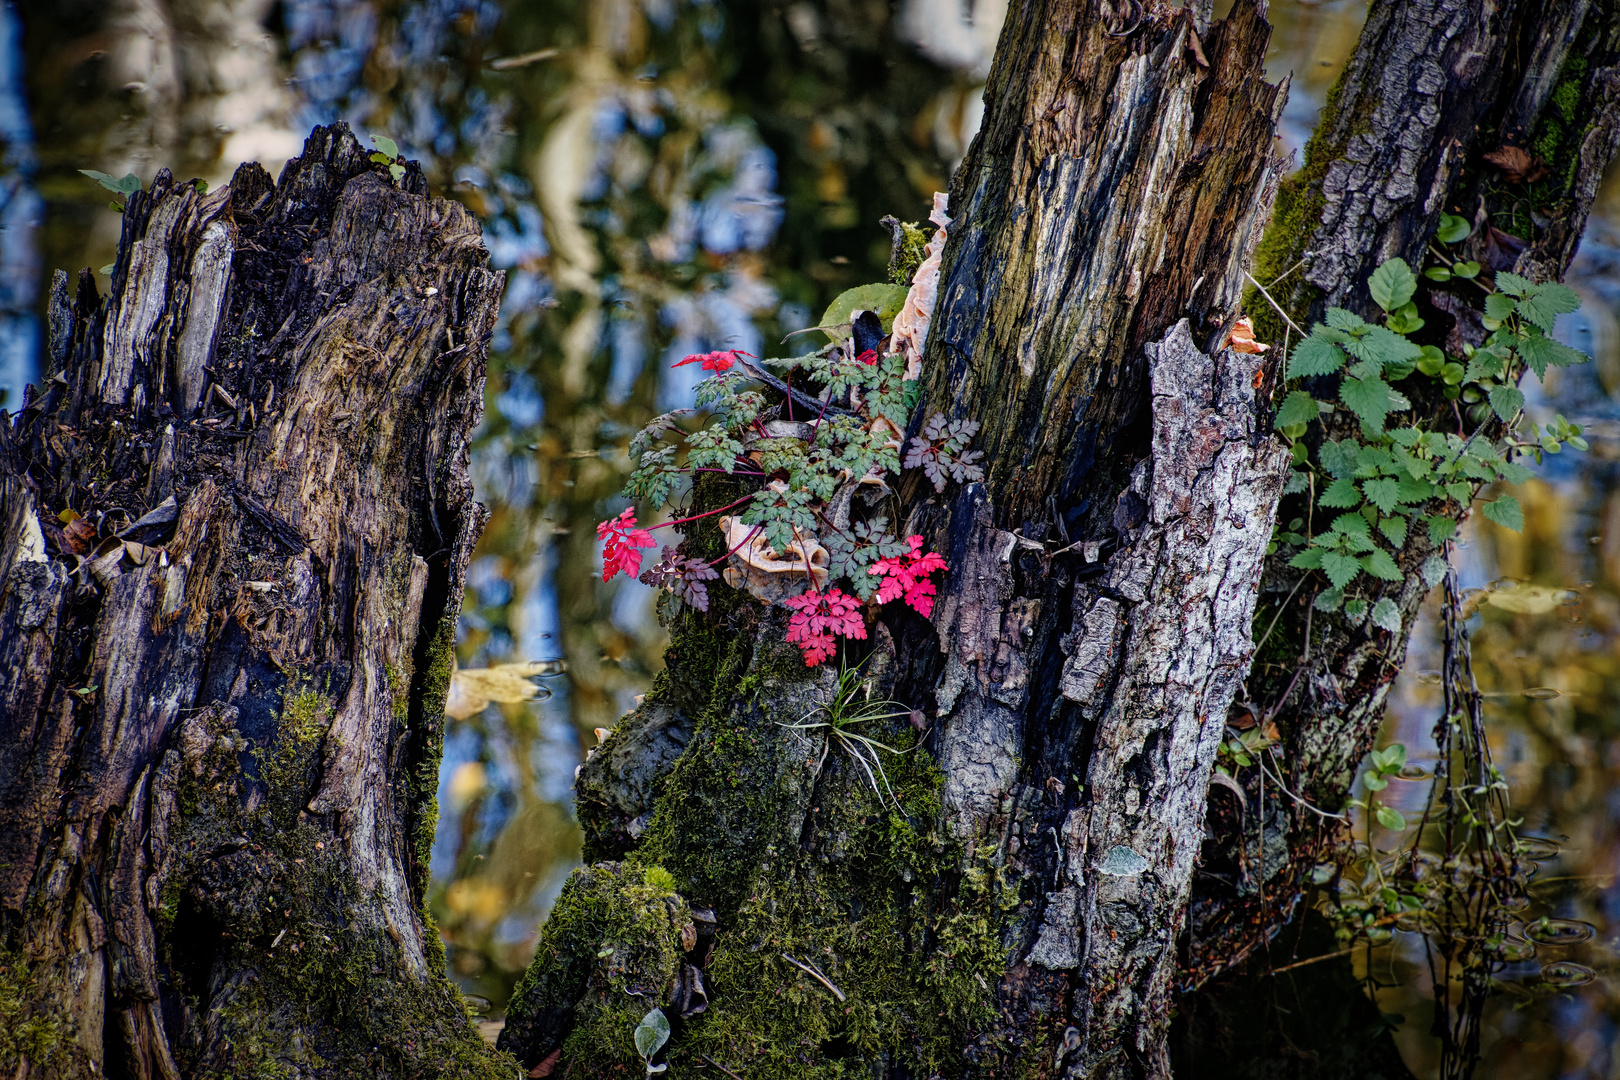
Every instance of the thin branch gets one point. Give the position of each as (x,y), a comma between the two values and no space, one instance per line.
(1276,306)
(1261,758)
(810,970)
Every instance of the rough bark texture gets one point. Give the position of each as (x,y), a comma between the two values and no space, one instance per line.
(221,699)
(1017,914)
(1432,87)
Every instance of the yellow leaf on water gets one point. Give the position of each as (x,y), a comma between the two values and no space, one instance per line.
(472,689)
(1528,599)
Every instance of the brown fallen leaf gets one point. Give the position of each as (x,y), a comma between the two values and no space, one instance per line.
(472,689)
(1517,166)
(80,536)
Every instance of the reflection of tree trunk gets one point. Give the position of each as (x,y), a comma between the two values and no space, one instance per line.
(1121,167)
(223,679)
(1432,87)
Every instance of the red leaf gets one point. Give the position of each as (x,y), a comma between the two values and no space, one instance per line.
(714,361)
(907,575)
(619,554)
(817,617)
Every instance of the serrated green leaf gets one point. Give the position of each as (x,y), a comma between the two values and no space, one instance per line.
(1440,528)
(1506,401)
(1392,285)
(1341,494)
(1317,354)
(1486,363)
(1370,399)
(1309,559)
(1347,321)
(1382,346)
(1434,570)
(1394,529)
(1341,569)
(387,146)
(1338,457)
(1351,525)
(1499,307)
(1541,352)
(1379,564)
(1543,304)
(1297,408)
(883,299)
(1381,493)
(1413,491)
(1329,600)
(1513,472)
(1387,615)
(1506,512)
(1513,284)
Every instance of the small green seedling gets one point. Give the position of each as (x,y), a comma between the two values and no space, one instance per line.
(387,153)
(1385,763)
(651,1034)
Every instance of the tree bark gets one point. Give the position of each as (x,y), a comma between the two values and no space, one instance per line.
(1020,904)
(1434,85)
(224,670)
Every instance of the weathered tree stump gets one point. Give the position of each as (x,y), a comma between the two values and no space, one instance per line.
(235,526)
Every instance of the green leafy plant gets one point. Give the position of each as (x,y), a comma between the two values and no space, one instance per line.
(1366,492)
(651,1035)
(125,185)
(815,438)
(387,153)
(849,704)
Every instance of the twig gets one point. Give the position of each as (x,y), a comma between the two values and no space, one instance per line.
(1261,758)
(810,970)
(1312,960)
(813,404)
(1276,306)
(707,1060)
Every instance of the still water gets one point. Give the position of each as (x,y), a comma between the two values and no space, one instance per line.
(662,177)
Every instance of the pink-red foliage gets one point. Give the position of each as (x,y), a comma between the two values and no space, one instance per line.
(619,554)
(907,576)
(819,616)
(714,361)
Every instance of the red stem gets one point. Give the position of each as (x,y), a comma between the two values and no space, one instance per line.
(695,517)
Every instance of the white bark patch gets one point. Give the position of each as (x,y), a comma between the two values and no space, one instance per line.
(210,281)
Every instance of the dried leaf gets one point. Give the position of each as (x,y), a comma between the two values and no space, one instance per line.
(472,689)
(1517,166)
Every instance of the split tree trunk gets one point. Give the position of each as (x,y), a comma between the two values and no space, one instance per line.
(1087,643)
(223,674)
(1434,85)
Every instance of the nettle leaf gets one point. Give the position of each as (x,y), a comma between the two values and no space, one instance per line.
(1298,480)
(1386,614)
(1506,512)
(1338,457)
(1371,400)
(1382,346)
(1512,284)
(1341,494)
(1440,528)
(1486,363)
(1348,321)
(1541,352)
(1394,530)
(1297,408)
(1413,491)
(1410,464)
(1499,307)
(712,448)
(1434,570)
(1506,401)
(1341,569)
(1329,600)
(1318,354)
(1512,472)
(1382,493)
(1379,564)
(1543,304)
(1309,559)
(1392,284)
(1351,525)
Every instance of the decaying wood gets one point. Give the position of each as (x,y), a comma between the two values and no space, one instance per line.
(236,522)
(1434,86)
